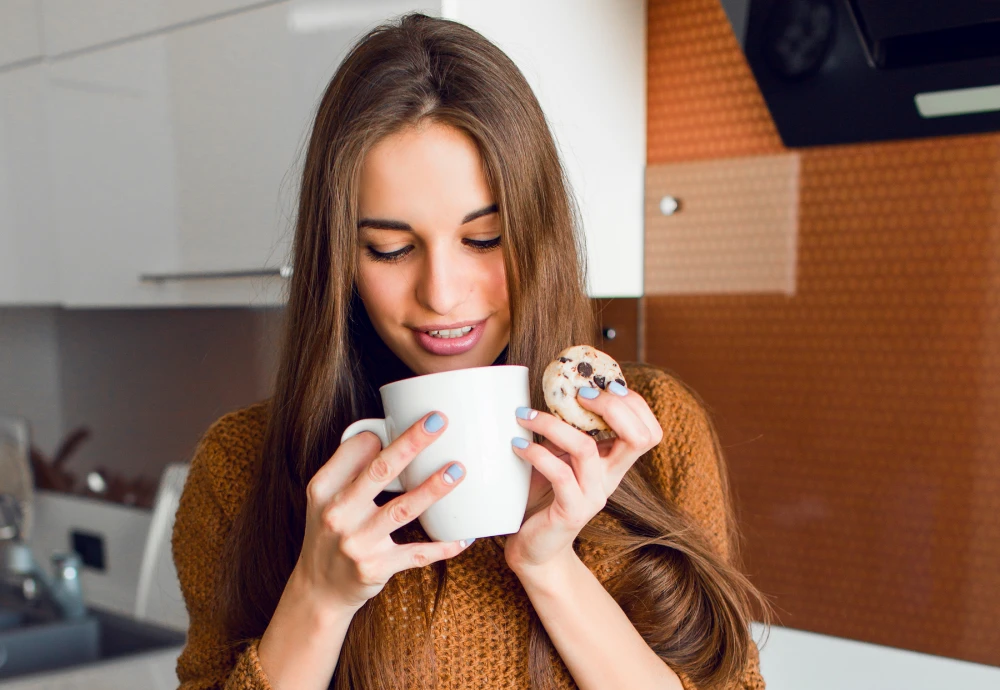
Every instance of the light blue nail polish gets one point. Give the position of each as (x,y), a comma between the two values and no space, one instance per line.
(589,393)
(618,389)
(455,472)
(433,423)
(526,413)
(520,442)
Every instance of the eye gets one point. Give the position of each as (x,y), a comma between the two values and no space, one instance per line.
(484,245)
(389,257)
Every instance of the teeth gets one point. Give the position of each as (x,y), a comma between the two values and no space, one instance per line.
(450,333)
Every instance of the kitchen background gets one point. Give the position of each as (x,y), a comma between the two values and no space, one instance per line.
(836,306)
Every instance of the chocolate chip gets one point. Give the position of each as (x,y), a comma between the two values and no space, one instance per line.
(585,369)
(565,359)
(620,382)
(594,432)
(599,380)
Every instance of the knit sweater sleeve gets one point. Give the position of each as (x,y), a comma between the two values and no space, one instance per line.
(200,529)
(687,469)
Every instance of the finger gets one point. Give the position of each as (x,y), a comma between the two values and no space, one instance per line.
(419,554)
(583,455)
(620,416)
(387,465)
(554,449)
(557,432)
(641,408)
(561,476)
(409,506)
(343,466)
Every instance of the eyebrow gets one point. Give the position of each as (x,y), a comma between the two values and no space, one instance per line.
(382,224)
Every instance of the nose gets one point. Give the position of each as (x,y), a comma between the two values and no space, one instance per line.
(444,282)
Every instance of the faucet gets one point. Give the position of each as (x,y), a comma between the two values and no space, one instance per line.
(29,582)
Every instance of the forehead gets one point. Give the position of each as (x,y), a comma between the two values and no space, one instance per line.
(429,173)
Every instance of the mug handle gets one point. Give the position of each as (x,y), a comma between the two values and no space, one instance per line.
(377,427)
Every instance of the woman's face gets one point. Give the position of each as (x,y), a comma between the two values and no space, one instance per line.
(429,251)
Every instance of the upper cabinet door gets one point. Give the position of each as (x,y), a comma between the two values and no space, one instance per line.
(27,243)
(75,25)
(20,32)
(180,154)
(586,62)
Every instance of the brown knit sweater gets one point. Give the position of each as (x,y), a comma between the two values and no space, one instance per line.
(481,640)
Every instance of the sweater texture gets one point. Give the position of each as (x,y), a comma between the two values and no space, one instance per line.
(481,633)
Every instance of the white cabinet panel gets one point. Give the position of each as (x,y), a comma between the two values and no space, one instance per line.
(27,247)
(586,62)
(20,32)
(178,153)
(72,25)
(112,172)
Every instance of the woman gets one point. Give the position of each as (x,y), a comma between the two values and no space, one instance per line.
(433,200)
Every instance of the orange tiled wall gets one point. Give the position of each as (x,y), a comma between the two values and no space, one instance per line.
(861,416)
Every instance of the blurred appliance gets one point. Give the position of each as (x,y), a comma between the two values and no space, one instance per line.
(840,71)
(158,598)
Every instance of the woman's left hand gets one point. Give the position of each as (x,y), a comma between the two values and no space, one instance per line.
(577,474)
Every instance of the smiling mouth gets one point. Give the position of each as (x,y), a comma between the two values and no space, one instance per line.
(450,333)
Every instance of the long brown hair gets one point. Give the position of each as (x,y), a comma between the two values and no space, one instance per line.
(398,75)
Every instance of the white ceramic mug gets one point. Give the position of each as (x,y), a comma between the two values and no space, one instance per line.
(479,404)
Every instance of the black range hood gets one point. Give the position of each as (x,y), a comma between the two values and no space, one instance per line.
(842,71)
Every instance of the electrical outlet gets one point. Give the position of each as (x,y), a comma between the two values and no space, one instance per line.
(90,547)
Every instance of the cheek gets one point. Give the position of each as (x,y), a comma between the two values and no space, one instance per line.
(495,280)
(380,291)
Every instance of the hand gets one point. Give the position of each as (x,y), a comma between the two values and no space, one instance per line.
(347,553)
(577,474)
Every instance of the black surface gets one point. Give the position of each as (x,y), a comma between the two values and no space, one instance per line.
(826,81)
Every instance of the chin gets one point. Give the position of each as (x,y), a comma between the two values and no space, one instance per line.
(429,364)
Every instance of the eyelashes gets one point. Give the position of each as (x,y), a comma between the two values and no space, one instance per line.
(400,254)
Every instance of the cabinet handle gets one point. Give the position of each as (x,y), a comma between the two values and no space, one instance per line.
(279,272)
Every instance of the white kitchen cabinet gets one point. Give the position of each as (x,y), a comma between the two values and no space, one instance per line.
(27,243)
(180,152)
(177,153)
(20,32)
(75,25)
(586,62)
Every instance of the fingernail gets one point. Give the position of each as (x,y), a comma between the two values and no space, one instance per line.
(589,393)
(526,413)
(466,542)
(520,442)
(453,473)
(433,423)
(618,389)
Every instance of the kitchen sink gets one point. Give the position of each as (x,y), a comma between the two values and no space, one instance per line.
(34,643)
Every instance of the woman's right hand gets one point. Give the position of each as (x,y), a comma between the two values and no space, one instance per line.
(347,552)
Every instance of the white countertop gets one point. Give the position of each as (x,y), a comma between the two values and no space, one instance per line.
(799,660)
(152,670)
(790,660)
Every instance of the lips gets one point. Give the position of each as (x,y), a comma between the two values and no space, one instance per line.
(445,347)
